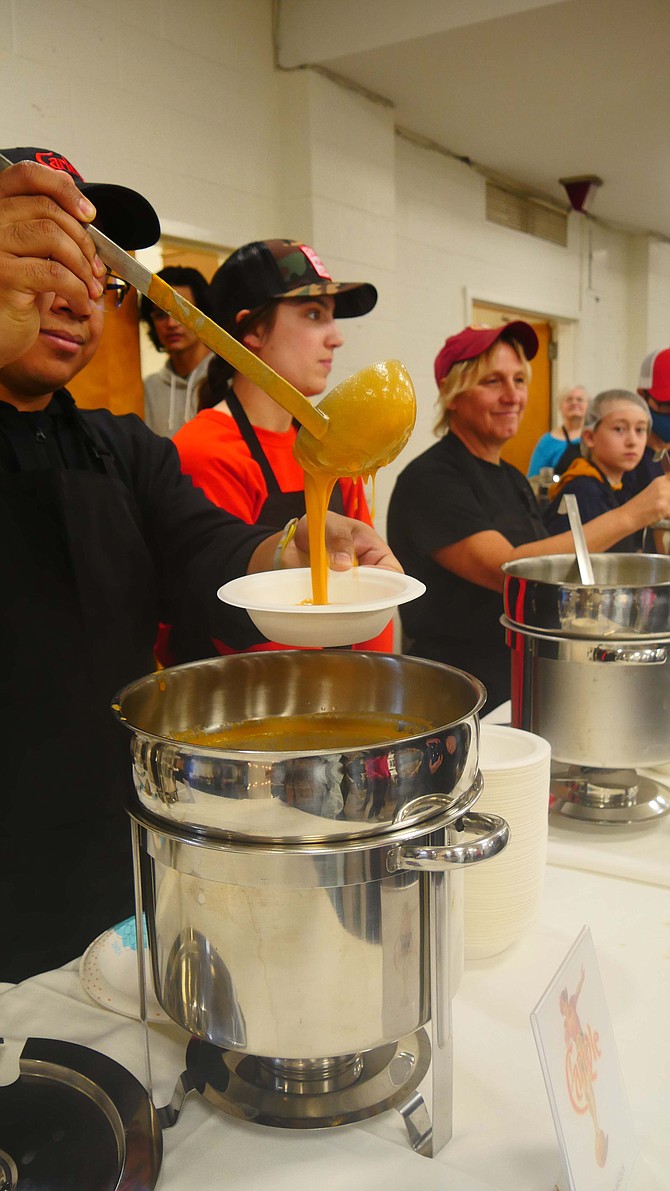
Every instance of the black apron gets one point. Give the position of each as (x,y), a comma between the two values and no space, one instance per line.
(572,451)
(278,509)
(474,640)
(79,611)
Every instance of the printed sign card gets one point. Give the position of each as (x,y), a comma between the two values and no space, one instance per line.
(581,1070)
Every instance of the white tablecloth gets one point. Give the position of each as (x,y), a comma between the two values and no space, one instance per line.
(503,1139)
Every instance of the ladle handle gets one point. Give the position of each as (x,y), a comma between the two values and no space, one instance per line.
(496,836)
(209,332)
(581,549)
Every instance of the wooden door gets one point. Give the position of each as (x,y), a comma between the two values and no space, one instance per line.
(537,418)
(207,260)
(113,379)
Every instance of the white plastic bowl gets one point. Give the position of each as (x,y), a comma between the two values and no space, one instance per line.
(361,601)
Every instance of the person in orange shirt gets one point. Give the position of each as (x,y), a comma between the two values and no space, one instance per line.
(279,300)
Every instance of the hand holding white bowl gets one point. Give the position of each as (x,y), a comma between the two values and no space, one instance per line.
(361,601)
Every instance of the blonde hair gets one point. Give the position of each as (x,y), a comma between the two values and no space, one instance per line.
(465,374)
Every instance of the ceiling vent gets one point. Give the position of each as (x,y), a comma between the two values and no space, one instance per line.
(525,214)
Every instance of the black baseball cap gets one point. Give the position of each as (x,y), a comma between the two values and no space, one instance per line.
(265,271)
(127,217)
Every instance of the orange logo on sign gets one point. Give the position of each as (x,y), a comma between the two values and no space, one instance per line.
(582,1053)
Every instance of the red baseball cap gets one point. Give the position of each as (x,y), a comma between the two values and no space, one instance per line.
(655,375)
(473,341)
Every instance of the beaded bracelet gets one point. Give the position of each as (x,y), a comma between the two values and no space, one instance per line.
(288,533)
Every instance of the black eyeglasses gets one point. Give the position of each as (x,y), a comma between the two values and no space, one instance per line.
(113,294)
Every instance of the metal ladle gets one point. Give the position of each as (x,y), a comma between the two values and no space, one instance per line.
(164,296)
(656,538)
(210,333)
(350,438)
(374,411)
(569,505)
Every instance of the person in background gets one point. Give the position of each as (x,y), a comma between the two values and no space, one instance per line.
(280,301)
(654,386)
(458,512)
(102,537)
(560,446)
(614,438)
(170,396)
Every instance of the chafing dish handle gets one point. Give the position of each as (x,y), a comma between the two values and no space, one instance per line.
(496,837)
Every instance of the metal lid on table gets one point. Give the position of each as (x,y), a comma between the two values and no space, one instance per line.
(76,1119)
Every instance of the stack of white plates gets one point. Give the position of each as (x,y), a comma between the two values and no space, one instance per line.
(503,895)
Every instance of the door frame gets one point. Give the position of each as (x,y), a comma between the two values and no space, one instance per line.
(565,331)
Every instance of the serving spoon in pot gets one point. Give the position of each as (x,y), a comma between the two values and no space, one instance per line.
(569,505)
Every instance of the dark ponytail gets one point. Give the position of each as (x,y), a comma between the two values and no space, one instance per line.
(220,373)
(214,387)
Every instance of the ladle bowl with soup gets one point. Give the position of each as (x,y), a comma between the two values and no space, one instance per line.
(372,415)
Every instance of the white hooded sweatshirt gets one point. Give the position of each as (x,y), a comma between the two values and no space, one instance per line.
(170,400)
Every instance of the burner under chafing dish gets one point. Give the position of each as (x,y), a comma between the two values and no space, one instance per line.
(605,795)
(257,1089)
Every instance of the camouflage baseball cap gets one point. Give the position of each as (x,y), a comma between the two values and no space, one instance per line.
(269,270)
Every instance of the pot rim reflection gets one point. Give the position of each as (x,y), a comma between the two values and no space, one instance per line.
(303,793)
(630,597)
(527,568)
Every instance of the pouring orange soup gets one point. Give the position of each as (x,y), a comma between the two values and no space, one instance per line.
(371,415)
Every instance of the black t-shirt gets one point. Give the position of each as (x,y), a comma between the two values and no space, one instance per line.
(442,497)
(102,536)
